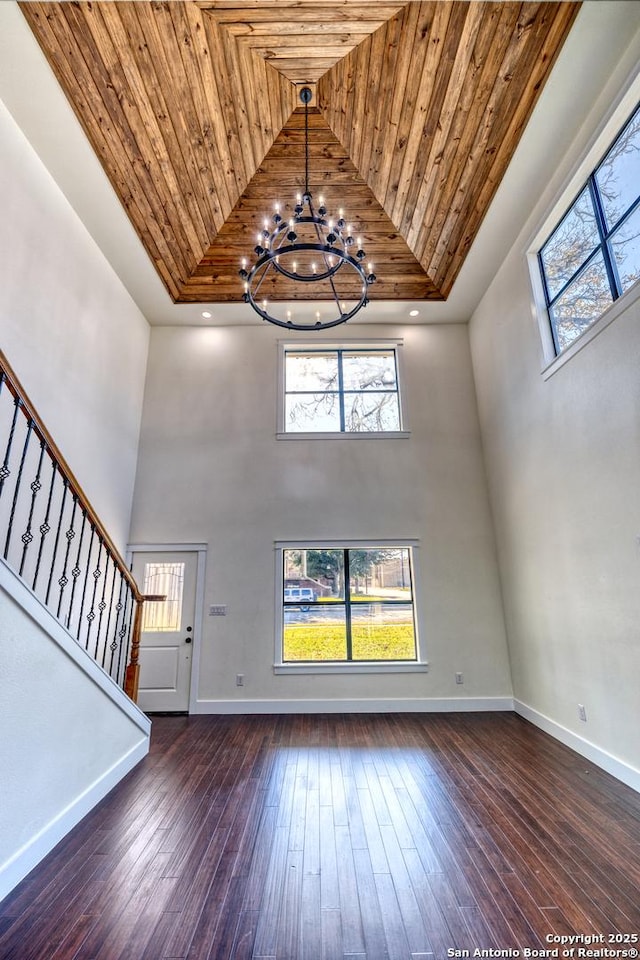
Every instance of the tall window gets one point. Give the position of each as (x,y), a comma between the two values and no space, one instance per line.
(348,605)
(593,255)
(341,390)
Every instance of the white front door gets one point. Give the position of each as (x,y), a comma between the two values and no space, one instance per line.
(166,641)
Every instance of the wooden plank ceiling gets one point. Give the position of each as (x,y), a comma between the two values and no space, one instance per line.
(193,109)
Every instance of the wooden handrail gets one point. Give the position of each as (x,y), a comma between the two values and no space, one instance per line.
(29,411)
(117,609)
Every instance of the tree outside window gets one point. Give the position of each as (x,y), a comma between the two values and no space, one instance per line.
(593,255)
(348,605)
(341,391)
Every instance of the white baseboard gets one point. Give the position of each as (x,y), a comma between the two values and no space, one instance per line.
(602,758)
(29,856)
(387,705)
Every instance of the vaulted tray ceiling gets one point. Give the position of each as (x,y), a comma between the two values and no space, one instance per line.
(193,109)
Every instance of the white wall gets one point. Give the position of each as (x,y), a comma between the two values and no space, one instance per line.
(79,345)
(563,458)
(63,754)
(212,470)
(70,330)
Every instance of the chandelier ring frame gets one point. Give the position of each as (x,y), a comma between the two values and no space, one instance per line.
(318,325)
(323,250)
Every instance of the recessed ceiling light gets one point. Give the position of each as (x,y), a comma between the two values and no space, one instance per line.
(206,315)
(412,313)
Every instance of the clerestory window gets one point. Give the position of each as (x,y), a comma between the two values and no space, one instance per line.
(341,390)
(592,256)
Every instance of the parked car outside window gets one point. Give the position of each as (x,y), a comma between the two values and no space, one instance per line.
(302,595)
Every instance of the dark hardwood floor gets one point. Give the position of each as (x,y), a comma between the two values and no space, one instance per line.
(339,836)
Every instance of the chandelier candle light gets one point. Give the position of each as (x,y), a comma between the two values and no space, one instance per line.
(308,248)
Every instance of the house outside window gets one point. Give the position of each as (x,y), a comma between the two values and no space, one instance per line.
(347,605)
(592,256)
(341,390)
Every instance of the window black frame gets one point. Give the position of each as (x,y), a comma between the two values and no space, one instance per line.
(604,235)
(340,392)
(348,603)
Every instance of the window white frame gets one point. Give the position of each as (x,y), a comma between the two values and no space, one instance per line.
(303,344)
(419,665)
(596,148)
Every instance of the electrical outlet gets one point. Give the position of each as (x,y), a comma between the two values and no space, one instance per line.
(459,678)
(582,713)
(218,610)
(239,679)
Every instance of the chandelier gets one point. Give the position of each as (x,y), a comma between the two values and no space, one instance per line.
(308,247)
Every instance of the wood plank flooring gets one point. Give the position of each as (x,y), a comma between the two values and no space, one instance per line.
(399,836)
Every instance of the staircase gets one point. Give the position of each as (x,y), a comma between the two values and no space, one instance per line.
(70,615)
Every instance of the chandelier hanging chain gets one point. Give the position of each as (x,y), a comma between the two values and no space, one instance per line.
(283,255)
(306,144)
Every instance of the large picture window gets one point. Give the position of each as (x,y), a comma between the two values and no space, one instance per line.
(346,605)
(341,391)
(593,255)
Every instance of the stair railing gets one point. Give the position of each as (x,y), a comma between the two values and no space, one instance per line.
(52,538)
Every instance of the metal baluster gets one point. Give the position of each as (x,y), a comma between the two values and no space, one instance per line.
(119,608)
(16,492)
(75,573)
(44,526)
(84,587)
(36,485)
(4,469)
(65,484)
(97,573)
(102,605)
(125,631)
(111,609)
(70,534)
